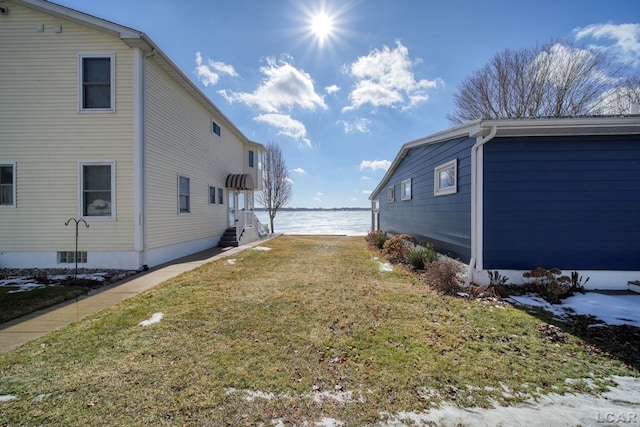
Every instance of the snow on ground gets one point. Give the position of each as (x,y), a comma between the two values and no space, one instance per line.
(261,248)
(26,284)
(618,406)
(611,308)
(157,317)
(384,266)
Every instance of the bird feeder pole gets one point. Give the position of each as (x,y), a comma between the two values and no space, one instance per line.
(75,255)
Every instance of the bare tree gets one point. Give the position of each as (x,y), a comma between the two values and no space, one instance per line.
(276,183)
(620,99)
(552,80)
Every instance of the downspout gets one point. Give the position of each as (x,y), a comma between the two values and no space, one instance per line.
(476,202)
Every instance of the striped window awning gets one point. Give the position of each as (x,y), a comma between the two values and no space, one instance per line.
(240,181)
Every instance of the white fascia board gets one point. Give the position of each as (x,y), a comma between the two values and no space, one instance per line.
(605,125)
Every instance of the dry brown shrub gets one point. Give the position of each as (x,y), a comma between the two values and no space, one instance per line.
(444,276)
(395,249)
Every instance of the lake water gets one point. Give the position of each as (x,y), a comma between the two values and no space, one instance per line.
(350,223)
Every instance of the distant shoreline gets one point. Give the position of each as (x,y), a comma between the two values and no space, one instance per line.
(314,209)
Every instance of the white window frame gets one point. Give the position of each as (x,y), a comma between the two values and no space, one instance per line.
(13,184)
(404,186)
(112,57)
(188,211)
(81,165)
(391,194)
(438,188)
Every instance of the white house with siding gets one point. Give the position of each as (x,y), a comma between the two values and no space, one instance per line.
(98,125)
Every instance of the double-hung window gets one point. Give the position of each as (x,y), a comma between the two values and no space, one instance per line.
(96,91)
(7,184)
(97,190)
(184,194)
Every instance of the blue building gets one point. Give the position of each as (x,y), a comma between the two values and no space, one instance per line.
(513,195)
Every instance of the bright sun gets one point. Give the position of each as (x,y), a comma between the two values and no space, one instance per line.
(322,26)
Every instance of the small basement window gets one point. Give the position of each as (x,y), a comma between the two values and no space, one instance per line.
(405,189)
(69,257)
(446,178)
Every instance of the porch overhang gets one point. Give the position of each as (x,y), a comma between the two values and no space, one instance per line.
(240,181)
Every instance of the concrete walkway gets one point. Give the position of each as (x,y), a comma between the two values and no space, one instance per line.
(19,331)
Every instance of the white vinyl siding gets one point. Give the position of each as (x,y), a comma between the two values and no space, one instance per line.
(180,141)
(44,134)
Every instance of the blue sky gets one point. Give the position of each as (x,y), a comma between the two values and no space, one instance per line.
(341,106)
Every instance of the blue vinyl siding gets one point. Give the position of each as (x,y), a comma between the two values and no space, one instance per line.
(445,220)
(571,203)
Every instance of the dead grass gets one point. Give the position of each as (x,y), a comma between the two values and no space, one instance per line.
(309,330)
(17,304)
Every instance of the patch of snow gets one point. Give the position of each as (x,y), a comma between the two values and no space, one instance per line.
(329,422)
(612,309)
(154,319)
(261,248)
(339,396)
(385,267)
(7,397)
(41,397)
(617,406)
(24,284)
(231,261)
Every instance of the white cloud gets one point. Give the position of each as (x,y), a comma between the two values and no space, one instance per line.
(384,78)
(365,178)
(300,171)
(626,38)
(331,89)
(286,126)
(375,165)
(367,192)
(283,88)
(360,125)
(209,73)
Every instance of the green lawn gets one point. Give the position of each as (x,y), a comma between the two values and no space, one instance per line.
(311,329)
